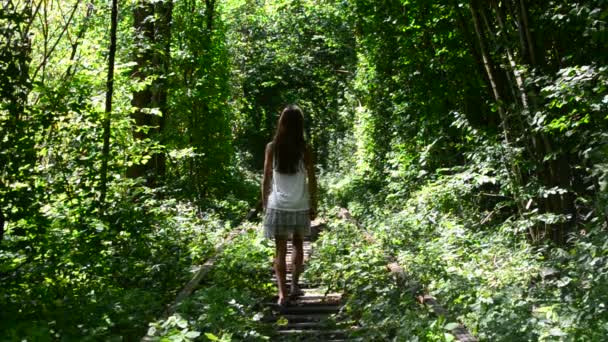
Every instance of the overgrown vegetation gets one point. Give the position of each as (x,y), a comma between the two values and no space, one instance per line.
(482,269)
(229,303)
(468,137)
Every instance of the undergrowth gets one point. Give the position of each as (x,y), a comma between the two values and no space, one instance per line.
(228,303)
(454,236)
(377,306)
(90,279)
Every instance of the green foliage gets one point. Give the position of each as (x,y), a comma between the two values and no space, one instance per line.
(289,52)
(378,306)
(498,284)
(198,130)
(18,123)
(464,202)
(100,280)
(475,155)
(226,306)
(575,113)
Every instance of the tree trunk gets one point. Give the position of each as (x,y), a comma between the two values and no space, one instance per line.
(144,37)
(512,169)
(153,41)
(70,71)
(162,64)
(518,88)
(209,12)
(1,226)
(551,173)
(488,65)
(105,153)
(555,172)
(525,23)
(465,31)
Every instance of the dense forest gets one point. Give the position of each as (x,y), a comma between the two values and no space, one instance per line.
(469,138)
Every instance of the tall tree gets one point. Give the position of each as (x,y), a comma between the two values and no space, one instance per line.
(152,23)
(162,59)
(108,110)
(199,125)
(505,29)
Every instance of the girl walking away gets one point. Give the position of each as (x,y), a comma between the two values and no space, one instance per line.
(289,196)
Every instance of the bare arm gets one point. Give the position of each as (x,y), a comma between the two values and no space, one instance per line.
(312,183)
(266,181)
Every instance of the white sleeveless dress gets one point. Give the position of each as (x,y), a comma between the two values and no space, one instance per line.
(287,211)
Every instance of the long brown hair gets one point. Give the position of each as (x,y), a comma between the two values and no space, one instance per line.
(289,144)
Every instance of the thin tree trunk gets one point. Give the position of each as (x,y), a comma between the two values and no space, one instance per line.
(108,111)
(471,43)
(45,36)
(1,226)
(48,51)
(519,91)
(79,36)
(520,30)
(551,173)
(487,63)
(513,170)
(505,83)
(209,11)
(464,27)
(556,172)
(153,58)
(526,29)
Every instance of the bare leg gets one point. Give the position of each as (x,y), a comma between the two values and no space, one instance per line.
(280,268)
(296,263)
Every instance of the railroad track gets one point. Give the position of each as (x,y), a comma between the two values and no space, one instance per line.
(310,317)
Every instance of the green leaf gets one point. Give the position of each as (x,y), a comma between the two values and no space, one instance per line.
(193,334)
(211,337)
(556,332)
(451,326)
(182,323)
(282,321)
